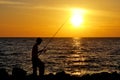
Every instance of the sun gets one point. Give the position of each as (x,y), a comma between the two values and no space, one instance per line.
(76,20)
(77,17)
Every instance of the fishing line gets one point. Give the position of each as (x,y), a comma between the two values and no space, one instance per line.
(55,34)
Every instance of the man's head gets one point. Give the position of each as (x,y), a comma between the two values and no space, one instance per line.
(38,40)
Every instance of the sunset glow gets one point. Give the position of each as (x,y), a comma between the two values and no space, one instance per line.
(42,18)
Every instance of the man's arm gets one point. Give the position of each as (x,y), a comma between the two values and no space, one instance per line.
(42,51)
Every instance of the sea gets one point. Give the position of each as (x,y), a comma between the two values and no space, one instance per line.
(75,56)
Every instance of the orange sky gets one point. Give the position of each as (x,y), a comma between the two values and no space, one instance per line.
(33,18)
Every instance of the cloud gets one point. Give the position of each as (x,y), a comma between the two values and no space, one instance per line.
(11,3)
(51,8)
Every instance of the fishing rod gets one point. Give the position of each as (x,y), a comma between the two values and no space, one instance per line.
(55,34)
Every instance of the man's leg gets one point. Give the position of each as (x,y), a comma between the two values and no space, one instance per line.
(41,68)
(35,71)
(34,68)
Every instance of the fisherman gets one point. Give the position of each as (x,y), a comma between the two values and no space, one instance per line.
(36,62)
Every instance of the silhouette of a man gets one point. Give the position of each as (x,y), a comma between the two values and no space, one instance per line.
(36,62)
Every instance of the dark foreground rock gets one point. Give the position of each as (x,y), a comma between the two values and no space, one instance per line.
(4,75)
(20,74)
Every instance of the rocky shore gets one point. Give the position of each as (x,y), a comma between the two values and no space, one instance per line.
(20,74)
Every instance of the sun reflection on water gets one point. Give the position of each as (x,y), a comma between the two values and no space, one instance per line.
(76,60)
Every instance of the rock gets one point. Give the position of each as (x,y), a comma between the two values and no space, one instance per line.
(4,75)
(18,74)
